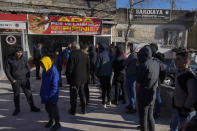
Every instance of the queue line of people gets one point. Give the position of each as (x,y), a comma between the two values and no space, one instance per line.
(140,73)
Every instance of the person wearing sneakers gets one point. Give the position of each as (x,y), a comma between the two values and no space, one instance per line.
(104,71)
(18,73)
(49,92)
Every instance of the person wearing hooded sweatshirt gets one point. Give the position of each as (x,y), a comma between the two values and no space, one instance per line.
(18,73)
(146,85)
(49,92)
(104,71)
(130,64)
(119,73)
(77,74)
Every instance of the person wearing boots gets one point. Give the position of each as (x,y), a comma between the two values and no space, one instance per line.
(49,92)
(119,74)
(18,73)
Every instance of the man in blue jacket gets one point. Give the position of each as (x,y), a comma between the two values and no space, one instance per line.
(49,92)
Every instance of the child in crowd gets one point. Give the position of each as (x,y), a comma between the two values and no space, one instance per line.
(49,92)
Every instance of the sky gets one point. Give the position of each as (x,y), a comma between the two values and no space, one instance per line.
(162,4)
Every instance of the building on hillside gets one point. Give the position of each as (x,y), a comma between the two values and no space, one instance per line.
(167,29)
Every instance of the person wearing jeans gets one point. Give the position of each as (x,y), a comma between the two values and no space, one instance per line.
(178,120)
(130,64)
(131,91)
(184,93)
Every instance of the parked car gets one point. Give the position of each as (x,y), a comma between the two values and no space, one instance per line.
(171,71)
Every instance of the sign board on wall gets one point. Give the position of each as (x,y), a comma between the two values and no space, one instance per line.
(38,24)
(12,25)
(151,14)
(12,22)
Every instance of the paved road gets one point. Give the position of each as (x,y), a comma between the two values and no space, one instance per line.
(112,118)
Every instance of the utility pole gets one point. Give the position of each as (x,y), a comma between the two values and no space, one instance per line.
(130,19)
(172,3)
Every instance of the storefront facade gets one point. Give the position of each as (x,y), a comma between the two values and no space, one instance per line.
(12,33)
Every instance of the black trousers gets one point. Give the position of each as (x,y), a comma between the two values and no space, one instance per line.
(87,93)
(106,88)
(147,121)
(37,64)
(53,112)
(74,91)
(120,85)
(25,85)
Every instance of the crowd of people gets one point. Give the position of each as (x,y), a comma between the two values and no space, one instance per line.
(136,79)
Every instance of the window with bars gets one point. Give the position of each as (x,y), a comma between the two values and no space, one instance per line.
(119,32)
(171,37)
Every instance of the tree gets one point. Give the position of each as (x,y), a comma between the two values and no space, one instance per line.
(130,18)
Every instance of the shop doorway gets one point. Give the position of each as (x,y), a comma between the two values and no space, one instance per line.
(86,40)
(8,45)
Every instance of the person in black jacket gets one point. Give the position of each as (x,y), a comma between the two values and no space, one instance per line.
(146,86)
(119,73)
(37,54)
(92,56)
(84,48)
(18,73)
(58,61)
(76,72)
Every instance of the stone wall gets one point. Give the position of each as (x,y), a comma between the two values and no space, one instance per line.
(148,32)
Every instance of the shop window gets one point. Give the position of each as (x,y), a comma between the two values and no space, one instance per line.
(119,33)
(171,38)
(131,34)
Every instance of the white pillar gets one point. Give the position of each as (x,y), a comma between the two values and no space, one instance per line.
(94,40)
(2,74)
(186,38)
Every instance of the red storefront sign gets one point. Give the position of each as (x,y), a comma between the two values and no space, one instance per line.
(38,24)
(12,17)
